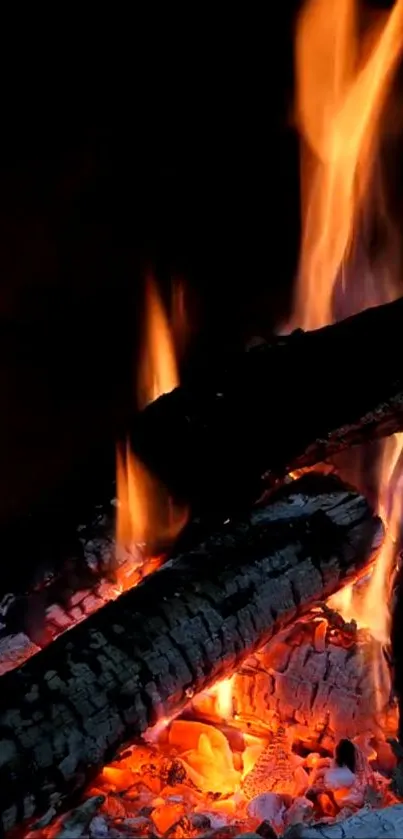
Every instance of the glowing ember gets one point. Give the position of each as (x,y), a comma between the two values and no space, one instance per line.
(192,775)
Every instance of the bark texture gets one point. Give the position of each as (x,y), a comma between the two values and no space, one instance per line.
(223,436)
(68,710)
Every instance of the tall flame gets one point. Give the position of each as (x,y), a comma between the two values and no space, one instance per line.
(146,512)
(343,81)
(342,87)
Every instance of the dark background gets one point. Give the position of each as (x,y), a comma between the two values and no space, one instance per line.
(176,155)
(123,149)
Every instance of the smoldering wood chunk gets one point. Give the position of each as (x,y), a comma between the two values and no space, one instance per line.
(319,680)
(68,710)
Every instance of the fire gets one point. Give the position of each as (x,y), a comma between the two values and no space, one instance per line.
(342,87)
(222,694)
(370,610)
(158,370)
(221,761)
(343,81)
(146,513)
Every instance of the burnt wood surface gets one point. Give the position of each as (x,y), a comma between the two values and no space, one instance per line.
(231,430)
(68,710)
(317,676)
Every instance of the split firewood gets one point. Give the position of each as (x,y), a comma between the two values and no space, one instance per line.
(317,676)
(139,659)
(229,432)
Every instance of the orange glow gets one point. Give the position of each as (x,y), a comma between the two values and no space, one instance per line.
(194,767)
(158,371)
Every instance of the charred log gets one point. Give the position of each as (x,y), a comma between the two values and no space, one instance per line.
(224,435)
(68,710)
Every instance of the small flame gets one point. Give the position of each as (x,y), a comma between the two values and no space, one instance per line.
(146,513)
(342,85)
(158,371)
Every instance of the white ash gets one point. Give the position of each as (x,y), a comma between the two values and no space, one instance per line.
(337,777)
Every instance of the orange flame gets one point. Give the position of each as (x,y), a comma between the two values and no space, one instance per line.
(342,85)
(340,98)
(158,371)
(146,513)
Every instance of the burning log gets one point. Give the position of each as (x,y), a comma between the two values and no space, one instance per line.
(139,659)
(221,437)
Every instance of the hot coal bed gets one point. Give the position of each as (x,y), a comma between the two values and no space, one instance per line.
(216,690)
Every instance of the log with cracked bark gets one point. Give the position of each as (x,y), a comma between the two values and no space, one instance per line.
(223,436)
(69,709)
(317,675)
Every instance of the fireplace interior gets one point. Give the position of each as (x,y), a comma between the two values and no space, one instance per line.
(201,621)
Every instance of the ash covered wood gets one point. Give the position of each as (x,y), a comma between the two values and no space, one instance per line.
(318,676)
(279,407)
(69,709)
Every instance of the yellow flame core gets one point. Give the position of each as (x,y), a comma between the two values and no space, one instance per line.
(343,80)
(222,693)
